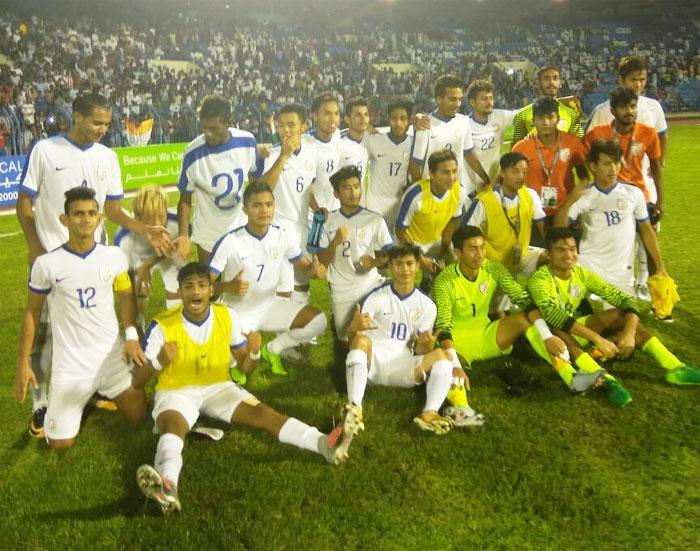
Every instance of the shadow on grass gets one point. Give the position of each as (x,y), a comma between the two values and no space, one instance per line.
(124,507)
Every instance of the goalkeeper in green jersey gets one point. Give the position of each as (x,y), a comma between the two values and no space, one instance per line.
(463,293)
(558,289)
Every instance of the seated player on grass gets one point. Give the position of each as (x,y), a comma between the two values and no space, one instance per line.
(392,344)
(464,292)
(190,349)
(558,289)
(79,279)
(355,241)
(249,262)
(150,206)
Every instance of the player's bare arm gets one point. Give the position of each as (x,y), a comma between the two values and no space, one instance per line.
(651,244)
(289,146)
(313,267)
(143,373)
(30,322)
(327,255)
(626,338)
(657,174)
(157,236)
(473,161)
(25,215)
(361,321)
(606,347)
(182,242)
(129,313)
(247,356)
(238,286)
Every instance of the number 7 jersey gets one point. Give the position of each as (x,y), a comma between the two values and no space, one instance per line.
(81,306)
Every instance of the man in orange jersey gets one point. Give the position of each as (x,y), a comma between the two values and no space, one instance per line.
(635,139)
(551,156)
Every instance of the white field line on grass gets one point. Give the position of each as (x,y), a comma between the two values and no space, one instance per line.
(11,234)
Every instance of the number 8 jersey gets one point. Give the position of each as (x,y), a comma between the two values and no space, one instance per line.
(397,318)
(81,306)
(216,175)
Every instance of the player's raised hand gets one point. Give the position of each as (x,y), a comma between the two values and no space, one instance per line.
(168,352)
(24,377)
(426,340)
(183,246)
(133,352)
(318,270)
(158,238)
(340,235)
(290,145)
(625,344)
(237,286)
(366,262)
(361,321)
(262,150)
(421,121)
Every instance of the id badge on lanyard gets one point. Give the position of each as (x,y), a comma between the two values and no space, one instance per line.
(549,194)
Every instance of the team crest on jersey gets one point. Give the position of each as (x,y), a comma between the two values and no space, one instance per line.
(565,154)
(575,291)
(405,156)
(101,173)
(415,314)
(274,253)
(361,233)
(621,204)
(105,275)
(636,149)
(484,287)
(309,166)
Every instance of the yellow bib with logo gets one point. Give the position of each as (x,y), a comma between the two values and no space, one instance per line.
(500,235)
(434,214)
(196,364)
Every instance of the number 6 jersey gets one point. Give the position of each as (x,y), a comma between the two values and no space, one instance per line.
(81,306)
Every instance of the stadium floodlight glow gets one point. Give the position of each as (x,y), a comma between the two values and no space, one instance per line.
(510,71)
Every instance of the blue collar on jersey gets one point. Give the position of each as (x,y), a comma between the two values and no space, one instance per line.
(499,191)
(399,295)
(358,211)
(349,137)
(400,140)
(258,237)
(222,146)
(438,117)
(76,253)
(471,116)
(606,191)
(316,136)
(81,147)
(195,322)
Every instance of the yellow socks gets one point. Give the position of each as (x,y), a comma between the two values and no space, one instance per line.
(654,348)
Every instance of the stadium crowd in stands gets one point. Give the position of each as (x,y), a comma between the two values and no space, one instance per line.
(262,66)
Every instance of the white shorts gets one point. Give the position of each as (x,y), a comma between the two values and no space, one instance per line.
(528,261)
(388,369)
(217,401)
(344,308)
(278,317)
(68,399)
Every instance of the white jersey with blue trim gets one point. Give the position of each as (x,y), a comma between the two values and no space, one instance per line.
(216,176)
(55,165)
(80,297)
(649,112)
(609,221)
(327,164)
(354,153)
(488,142)
(367,233)
(260,258)
(137,248)
(388,173)
(454,134)
(398,319)
(293,187)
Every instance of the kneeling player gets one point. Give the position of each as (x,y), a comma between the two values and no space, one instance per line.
(250,260)
(190,348)
(391,344)
(80,279)
(463,293)
(559,288)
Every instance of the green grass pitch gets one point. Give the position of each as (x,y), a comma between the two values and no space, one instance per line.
(547,471)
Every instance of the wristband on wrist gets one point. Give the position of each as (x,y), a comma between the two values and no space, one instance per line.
(543,329)
(452,353)
(156,364)
(130,333)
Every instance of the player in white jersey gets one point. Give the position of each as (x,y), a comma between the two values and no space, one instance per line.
(325,112)
(392,344)
(249,262)
(214,170)
(79,279)
(290,170)
(54,166)
(447,129)
(352,143)
(388,162)
(354,242)
(189,386)
(487,125)
(611,213)
(150,205)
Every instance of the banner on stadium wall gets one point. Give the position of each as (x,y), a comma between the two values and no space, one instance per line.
(150,164)
(10,171)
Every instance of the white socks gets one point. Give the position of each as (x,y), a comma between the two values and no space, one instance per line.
(356,376)
(295,337)
(301,435)
(41,366)
(168,460)
(438,385)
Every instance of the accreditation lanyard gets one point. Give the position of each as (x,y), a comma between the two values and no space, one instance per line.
(564,305)
(548,171)
(616,139)
(515,226)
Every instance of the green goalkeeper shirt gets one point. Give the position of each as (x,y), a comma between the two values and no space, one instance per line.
(463,305)
(569,121)
(558,300)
